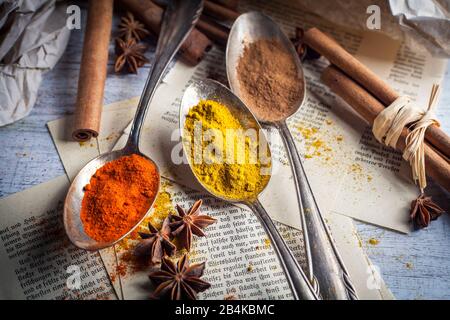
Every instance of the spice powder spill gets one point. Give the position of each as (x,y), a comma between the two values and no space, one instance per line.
(270,83)
(118,195)
(225,168)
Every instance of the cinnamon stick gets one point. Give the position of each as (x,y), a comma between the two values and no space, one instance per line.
(338,56)
(194,47)
(214,31)
(219,11)
(231,4)
(368,107)
(94,60)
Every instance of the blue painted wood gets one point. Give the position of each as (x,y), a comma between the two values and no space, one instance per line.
(414,267)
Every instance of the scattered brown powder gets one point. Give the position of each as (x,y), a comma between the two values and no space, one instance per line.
(270,84)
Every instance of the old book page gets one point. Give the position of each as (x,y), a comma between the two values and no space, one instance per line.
(240,262)
(38,261)
(389,182)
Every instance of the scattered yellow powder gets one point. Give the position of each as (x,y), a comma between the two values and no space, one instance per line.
(339,138)
(317,143)
(315,146)
(307,133)
(355,167)
(373,241)
(267,243)
(162,208)
(359,174)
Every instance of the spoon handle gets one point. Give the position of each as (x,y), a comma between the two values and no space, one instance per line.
(329,268)
(179,18)
(297,280)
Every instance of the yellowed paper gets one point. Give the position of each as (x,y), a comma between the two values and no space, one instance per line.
(38,261)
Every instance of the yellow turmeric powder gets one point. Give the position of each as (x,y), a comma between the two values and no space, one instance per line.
(224,157)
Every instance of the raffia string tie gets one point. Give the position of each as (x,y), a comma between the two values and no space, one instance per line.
(388,126)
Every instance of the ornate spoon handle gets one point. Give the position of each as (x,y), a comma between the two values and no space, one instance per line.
(328,267)
(179,18)
(297,280)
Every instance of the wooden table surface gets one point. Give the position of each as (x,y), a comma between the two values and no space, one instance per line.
(415,266)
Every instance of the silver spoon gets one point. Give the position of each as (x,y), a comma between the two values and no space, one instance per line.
(212,90)
(179,18)
(324,261)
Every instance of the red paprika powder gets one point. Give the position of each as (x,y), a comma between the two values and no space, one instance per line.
(118,196)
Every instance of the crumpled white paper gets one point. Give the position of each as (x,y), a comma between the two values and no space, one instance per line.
(33,36)
(422,24)
(427,21)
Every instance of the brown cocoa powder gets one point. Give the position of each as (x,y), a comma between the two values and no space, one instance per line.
(269,81)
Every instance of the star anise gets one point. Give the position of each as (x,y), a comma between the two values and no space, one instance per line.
(130,53)
(188,223)
(423,210)
(178,281)
(155,244)
(302,49)
(130,28)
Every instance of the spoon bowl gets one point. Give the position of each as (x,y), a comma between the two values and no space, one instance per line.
(251,27)
(213,90)
(72,205)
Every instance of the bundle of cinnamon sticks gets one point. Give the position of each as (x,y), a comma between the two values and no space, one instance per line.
(369,95)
